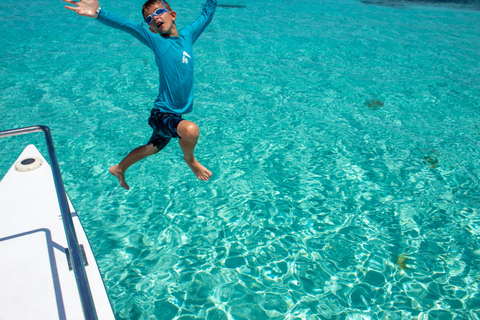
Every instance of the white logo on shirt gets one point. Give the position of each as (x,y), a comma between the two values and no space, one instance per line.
(185,55)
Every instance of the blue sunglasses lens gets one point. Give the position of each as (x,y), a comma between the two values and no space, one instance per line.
(156,13)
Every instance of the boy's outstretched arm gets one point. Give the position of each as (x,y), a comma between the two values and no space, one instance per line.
(85,8)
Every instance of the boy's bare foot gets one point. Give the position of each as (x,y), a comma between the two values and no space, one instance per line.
(115,170)
(200,171)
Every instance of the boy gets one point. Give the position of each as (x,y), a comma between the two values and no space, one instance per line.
(173,55)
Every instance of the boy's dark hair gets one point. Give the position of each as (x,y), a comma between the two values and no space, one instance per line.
(150,3)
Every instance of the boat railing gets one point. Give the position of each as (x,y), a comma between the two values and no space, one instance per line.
(73,246)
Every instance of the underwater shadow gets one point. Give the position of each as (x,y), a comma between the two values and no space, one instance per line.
(233,6)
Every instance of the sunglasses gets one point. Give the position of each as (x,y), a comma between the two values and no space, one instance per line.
(157,12)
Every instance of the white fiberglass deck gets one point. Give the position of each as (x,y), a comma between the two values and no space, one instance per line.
(35,276)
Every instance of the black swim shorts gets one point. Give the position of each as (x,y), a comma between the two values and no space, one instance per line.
(164,127)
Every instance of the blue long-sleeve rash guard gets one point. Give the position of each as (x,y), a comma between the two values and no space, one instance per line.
(174,57)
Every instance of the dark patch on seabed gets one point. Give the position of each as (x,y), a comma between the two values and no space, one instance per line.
(234,6)
(374,104)
(467,4)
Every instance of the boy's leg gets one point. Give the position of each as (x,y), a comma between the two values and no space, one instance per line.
(133,157)
(189,133)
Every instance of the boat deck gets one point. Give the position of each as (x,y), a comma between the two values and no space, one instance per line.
(37,282)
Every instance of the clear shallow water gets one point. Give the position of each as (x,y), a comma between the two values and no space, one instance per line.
(343,138)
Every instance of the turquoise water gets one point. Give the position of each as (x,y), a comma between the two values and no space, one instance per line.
(344,141)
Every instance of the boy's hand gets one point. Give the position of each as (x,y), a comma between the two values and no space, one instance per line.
(85,8)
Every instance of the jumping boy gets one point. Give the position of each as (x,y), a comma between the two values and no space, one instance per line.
(174,58)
